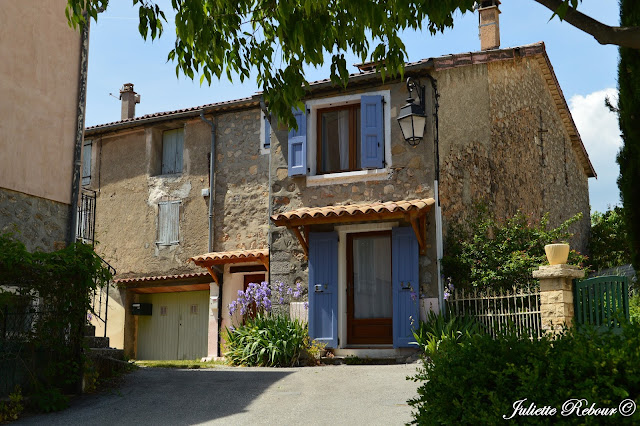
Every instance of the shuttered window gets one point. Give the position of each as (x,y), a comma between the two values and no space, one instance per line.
(298,145)
(266,142)
(168,222)
(172,147)
(86,163)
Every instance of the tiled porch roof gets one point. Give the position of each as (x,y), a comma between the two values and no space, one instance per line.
(238,256)
(353,212)
(135,280)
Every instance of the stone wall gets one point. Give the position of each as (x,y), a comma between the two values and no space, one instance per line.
(410,176)
(39,223)
(129,189)
(515,166)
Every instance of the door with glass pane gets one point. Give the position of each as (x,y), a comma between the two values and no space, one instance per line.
(369,290)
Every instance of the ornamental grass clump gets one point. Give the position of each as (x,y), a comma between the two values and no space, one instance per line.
(267,337)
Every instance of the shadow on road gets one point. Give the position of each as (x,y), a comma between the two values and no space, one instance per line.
(153,396)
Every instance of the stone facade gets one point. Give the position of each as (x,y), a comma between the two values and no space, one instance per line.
(39,223)
(127,180)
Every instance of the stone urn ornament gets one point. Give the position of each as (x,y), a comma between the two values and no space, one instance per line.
(557,254)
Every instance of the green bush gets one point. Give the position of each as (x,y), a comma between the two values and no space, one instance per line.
(267,340)
(437,328)
(488,252)
(478,381)
(634,309)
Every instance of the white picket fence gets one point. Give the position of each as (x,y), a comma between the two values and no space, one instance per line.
(497,310)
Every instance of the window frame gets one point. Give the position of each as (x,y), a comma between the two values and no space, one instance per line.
(86,171)
(353,142)
(264,149)
(313,178)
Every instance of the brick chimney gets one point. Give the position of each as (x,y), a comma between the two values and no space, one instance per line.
(129,100)
(489,26)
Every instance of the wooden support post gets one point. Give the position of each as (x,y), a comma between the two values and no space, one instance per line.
(422,243)
(303,242)
(265,261)
(213,275)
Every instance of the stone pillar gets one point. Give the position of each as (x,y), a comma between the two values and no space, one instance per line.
(556,295)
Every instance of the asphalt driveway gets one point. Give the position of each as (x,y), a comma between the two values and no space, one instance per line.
(353,395)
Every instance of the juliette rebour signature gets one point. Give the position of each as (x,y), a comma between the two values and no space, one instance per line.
(571,407)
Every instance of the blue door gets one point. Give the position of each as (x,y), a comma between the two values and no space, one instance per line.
(323,287)
(406,286)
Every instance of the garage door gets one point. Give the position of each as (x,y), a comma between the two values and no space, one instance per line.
(177,328)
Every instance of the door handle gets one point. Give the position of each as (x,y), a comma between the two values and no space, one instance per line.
(318,288)
(405,285)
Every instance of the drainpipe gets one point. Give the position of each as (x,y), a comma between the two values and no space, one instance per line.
(263,107)
(212,196)
(438,212)
(80,114)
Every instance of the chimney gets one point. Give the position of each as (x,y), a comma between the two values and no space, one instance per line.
(489,26)
(129,100)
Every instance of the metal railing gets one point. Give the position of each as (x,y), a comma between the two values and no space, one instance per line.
(518,309)
(100,300)
(87,217)
(602,301)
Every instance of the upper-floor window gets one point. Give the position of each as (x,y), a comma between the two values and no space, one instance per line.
(338,139)
(172,147)
(168,222)
(86,162)
(345,135)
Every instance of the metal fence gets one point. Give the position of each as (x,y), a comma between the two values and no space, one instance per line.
(602,301)
(518,309)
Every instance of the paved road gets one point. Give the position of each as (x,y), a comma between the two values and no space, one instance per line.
(349,395)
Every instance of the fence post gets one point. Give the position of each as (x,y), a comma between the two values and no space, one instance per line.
(556,295)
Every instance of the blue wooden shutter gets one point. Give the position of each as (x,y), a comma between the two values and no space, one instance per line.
(372,132)
(323,287)
(179,135)
(168,222)
(266,143)
(406,286)
(168,152)
(298,145)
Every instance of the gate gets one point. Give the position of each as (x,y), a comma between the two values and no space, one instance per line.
(602,301)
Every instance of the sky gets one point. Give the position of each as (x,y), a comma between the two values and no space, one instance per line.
(585,69)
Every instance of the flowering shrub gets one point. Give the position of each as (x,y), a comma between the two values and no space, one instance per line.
(267,338)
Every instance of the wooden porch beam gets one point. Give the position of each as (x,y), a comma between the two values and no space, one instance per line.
(265,261)
(417,229)
(213,275)
(303,242)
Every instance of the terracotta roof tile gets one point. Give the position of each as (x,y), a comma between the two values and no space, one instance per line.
(161,278)
(354,210)
(221,257)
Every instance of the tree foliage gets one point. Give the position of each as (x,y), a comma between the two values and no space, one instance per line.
(276,40)
(628,114)
(490,253)
(609,243)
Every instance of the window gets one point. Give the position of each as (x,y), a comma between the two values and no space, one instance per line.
(172,146)
(338,139)
(168,222)
(341,137)
(86,163)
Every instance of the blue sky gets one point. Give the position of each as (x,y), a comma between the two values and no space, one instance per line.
(585,69)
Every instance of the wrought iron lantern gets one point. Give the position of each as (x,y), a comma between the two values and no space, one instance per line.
(412,117)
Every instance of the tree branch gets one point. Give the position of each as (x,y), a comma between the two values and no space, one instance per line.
(604,34)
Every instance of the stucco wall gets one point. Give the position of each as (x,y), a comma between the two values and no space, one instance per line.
(504,161)
(39,74)
(129,191)
(39,223)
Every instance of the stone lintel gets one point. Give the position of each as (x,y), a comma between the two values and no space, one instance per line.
(558,271)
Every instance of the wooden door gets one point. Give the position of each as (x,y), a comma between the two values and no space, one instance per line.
(369,289)
(248,279)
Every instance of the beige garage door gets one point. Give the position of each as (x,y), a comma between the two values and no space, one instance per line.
(177,329)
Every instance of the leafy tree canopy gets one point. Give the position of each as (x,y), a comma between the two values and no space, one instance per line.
(609,243)
(278,38)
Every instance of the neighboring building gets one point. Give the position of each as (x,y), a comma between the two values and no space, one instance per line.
(42,91)
(352,205)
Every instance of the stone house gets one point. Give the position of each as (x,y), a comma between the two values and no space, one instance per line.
(43,73)
(344,204)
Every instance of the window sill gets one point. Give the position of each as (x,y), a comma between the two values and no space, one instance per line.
(348,177)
